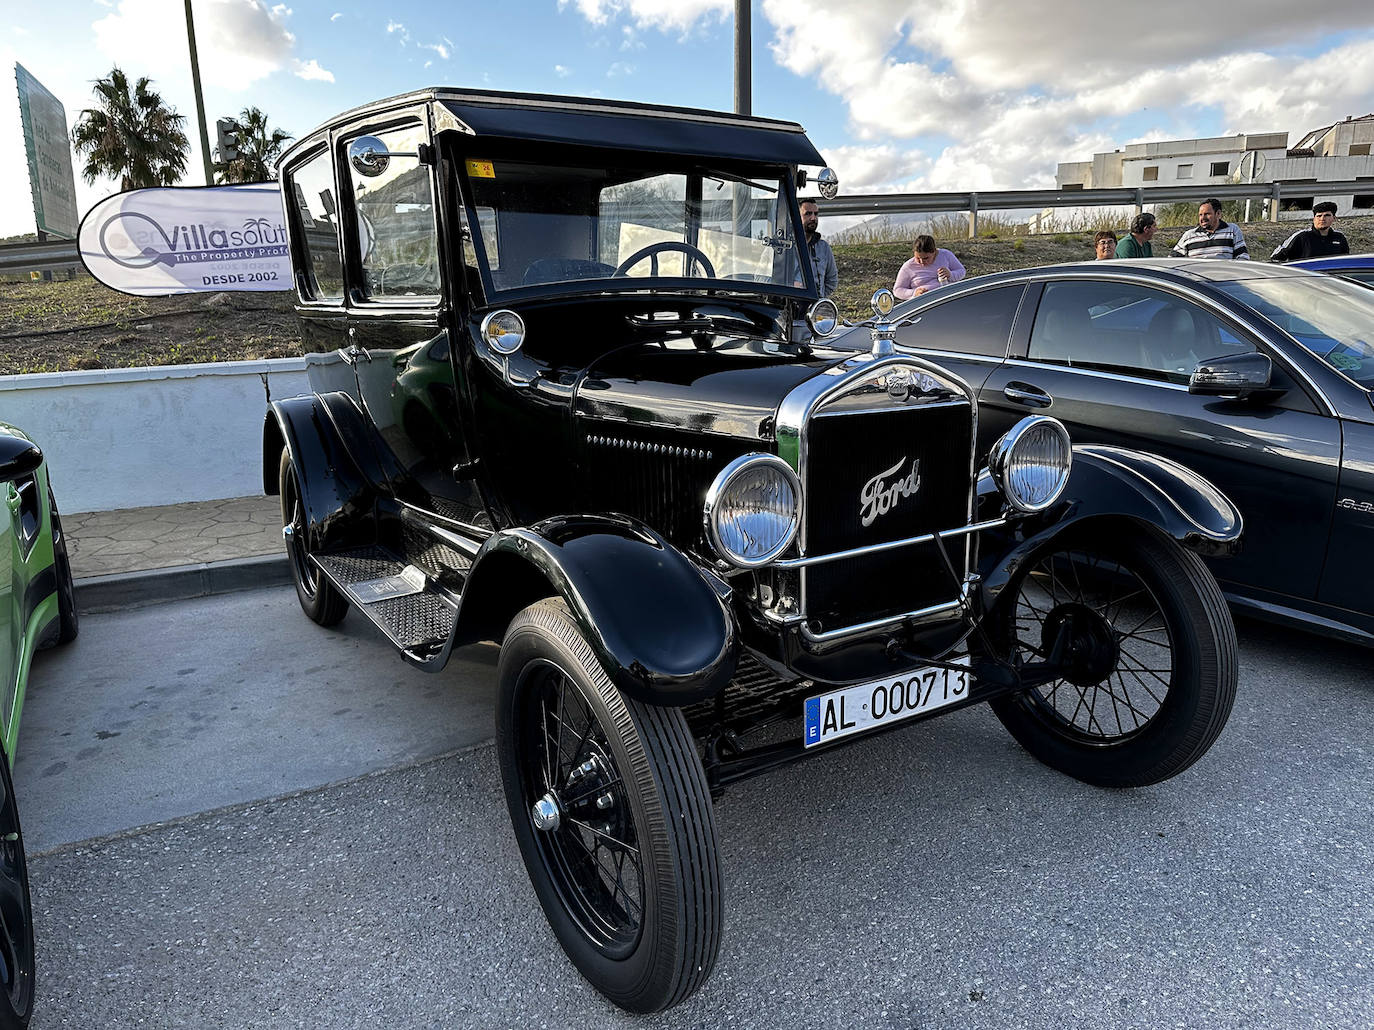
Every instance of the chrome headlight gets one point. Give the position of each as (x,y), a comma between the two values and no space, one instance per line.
(753,509)
(1030,464)
(504,331)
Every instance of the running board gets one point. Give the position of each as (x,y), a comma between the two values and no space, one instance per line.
(399,599)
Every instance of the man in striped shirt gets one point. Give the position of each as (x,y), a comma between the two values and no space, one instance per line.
(1211,237)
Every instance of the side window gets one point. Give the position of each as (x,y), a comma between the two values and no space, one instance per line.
(1129,329)
(397,238)
(317,214)
(977,324)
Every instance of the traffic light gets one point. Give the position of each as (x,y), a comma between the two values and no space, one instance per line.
(228,132)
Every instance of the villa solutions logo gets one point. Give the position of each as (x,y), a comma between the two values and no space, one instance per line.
(154,242)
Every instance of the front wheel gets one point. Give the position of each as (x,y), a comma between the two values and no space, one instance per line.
(16,912)
(1135,651)
(612,814)
(319,598)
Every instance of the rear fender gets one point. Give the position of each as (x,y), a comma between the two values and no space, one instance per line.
(661,628)
(1112,484)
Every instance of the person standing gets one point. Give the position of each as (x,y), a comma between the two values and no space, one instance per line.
(1104,244)
(822,257)
(1211,237)
(930,267)
(1136,243)
(1319,241)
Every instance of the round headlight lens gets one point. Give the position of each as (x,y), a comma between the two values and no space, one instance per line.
(504,331)
(1031,463)
(753,509)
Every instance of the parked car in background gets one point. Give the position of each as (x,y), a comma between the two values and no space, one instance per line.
(1355,267)
(1256,376)
(37,607)
(561,400)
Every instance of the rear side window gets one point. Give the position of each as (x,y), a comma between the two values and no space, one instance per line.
(397,238)
(979,323)
(1134,330)
(311,194)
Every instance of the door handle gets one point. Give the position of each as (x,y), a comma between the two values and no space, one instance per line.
(1024,393)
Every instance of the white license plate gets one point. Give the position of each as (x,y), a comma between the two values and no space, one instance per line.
(867,706)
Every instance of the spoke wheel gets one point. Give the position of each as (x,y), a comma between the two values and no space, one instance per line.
(16,913)
(1132,651)
(319,598)
(611,810)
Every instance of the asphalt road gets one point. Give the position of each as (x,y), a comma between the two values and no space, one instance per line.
(237,819)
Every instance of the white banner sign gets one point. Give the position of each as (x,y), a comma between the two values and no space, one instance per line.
(200,239)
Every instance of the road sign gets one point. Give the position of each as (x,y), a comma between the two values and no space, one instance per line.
(49,151)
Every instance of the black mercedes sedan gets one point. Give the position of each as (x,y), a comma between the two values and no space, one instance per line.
(1256,376)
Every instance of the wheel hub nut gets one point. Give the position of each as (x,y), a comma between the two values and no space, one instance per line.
(546,813)
(605,801)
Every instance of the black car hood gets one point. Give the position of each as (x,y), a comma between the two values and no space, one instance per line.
(728,387)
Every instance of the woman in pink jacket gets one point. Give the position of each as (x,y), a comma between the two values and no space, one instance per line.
(929,267)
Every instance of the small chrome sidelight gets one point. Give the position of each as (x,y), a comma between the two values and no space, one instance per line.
(503,331)
(1031,463)
(823,317)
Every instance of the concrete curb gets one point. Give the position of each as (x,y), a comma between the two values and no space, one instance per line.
(179,583)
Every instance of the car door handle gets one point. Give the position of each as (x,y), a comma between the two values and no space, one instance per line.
(1024,393)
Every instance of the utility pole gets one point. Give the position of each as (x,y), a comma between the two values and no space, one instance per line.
(200,100)
(743,75)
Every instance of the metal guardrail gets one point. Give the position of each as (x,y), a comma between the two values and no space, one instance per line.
(1121,196)
(47,256)
(56,254)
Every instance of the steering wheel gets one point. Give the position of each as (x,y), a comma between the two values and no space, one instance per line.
(653,250)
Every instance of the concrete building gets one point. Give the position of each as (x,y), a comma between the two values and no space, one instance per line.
(1333,153)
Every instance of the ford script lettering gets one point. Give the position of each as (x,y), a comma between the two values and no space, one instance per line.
(878,498)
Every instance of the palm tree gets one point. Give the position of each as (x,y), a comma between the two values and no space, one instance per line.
(258,149)
(133,137)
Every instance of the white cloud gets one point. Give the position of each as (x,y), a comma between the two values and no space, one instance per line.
(238,41)
(395,27)
(439,48)
(311,71)
(561,71)
(336,16)
(680,15)
(619,69)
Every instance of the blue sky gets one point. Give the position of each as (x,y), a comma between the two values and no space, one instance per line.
(897,94)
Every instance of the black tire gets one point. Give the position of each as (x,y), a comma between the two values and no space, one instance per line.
(1152,673)
(16,913)
(629,878)
(68,622)
(319,598)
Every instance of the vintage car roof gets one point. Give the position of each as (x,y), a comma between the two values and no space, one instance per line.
(618,124)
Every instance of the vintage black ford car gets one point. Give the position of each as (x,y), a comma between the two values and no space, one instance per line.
(566,398)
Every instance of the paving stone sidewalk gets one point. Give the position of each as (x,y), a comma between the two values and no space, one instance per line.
(104,543)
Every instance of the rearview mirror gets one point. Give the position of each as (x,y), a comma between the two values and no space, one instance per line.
(1231,375)
(18,457)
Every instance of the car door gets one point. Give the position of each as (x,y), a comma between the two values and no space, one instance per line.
(966,333)
(1111,360)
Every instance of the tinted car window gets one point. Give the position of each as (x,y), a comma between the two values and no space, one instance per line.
(1119,327)
(977,323)
(1359,275)
(312,195)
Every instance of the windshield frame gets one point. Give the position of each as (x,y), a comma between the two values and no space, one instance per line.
(1246,292)
(578,156)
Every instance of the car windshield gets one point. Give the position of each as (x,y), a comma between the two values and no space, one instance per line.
(600,226)
(1332,318)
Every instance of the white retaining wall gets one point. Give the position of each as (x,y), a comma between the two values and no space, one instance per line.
(137,437)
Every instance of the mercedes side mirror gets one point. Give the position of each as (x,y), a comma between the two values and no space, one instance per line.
(1231,375)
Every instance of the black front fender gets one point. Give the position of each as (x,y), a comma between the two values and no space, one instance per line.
(662,630)
(1113,484)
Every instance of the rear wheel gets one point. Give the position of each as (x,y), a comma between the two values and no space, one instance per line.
(16,913)
(613,816)
(319,598)
(1143,653)
(68,623)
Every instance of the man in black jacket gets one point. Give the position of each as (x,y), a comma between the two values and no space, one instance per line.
(1319,241)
